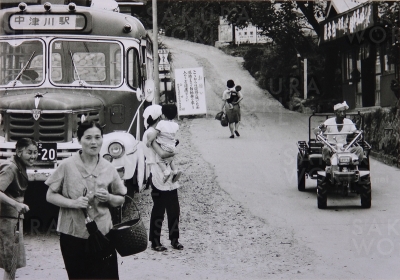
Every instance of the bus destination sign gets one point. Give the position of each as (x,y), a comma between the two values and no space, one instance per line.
(47,22)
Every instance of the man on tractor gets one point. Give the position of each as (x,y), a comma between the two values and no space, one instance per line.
(338,124)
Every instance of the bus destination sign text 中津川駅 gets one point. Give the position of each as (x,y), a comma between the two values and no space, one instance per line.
(47,22)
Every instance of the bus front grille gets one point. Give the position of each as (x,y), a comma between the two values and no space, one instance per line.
(50,127)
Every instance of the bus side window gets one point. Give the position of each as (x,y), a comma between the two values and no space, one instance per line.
(133,68)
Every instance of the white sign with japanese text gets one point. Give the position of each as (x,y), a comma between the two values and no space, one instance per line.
(190,91)
(47,22)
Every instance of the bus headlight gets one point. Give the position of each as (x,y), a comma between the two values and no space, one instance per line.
(108,157)
(116,149)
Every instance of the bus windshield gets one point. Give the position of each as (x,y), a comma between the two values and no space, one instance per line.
(21,62)
(85,63)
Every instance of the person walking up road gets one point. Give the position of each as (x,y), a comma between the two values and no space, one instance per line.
(231,98)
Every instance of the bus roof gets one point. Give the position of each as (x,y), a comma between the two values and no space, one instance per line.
(98,22)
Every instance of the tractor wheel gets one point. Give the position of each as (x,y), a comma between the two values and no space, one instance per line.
(365,191)
(301,174)
(322,191)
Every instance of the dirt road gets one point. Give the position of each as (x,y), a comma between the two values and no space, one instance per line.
(258,170)
(242,216)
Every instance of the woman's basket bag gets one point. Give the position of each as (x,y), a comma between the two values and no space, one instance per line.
(218,116)
(129,237)
(224,120)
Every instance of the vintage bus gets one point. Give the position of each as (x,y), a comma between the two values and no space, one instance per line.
(62,64)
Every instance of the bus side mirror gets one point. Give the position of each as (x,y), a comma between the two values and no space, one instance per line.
(139,94)
(148,92)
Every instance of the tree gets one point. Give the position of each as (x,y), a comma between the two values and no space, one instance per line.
(195,21)
(281,21)
(293,38)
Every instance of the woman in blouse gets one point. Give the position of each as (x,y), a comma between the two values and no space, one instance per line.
(85,181)
(13,184)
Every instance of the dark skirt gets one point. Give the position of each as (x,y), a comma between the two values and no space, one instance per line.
(233,114)
(80,266)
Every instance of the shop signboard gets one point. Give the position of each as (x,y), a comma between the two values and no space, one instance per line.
(351,22)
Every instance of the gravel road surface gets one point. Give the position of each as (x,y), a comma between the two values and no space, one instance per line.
(241,214)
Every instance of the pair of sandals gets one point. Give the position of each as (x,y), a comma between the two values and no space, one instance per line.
(162,248)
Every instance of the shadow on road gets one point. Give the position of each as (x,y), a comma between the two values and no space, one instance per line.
(345,207)
(42,216)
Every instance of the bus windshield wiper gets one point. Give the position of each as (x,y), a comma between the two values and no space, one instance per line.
(23,69)
(81,83)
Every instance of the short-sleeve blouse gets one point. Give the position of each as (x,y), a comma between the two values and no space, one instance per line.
(70,179)
(13,182)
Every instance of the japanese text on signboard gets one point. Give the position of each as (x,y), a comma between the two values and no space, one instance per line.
(47,22)
(190,91)
(349,23)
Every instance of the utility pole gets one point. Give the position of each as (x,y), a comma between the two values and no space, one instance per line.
(305,86)
(155,52)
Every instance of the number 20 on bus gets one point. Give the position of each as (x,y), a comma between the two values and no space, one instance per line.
(47,152)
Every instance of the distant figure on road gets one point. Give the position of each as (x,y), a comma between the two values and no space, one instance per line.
(164,135)
(164,194)
(335,125)
(13,184)
(231,98)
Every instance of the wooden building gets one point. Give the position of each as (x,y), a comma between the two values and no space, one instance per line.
(361,53)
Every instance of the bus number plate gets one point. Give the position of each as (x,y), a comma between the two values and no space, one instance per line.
(47,152)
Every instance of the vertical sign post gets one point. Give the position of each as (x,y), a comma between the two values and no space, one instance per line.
(190,91)
(165,76)
(155,52)
(305,87)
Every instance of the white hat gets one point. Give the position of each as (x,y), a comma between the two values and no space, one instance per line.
(341,105)
(154,111)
